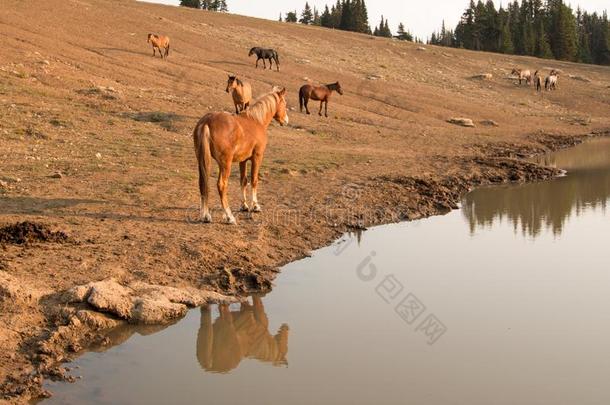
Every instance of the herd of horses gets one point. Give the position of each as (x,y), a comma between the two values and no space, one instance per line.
(242,137)
(525,75)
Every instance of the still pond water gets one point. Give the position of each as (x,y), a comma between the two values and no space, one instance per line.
(506,301)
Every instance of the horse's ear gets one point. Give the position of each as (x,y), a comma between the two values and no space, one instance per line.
(282,92)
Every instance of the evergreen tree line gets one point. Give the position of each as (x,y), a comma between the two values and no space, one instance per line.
(347,15)
(548,29)
(212,5)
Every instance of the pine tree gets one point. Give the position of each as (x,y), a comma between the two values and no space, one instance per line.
(336,13)
(347,22)
(564,39)
(306,15)
(317,20)
(326,18)
(281,19)
(403,34)
(291,17)
(190,3)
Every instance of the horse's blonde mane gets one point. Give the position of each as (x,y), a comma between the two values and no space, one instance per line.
(263,106)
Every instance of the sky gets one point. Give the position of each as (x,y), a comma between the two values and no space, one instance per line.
(421,17)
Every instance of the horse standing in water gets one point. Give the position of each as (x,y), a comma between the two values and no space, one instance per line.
(523,75)
(268,54)
(318,93)
(240,138)
(160,42)
(241,93)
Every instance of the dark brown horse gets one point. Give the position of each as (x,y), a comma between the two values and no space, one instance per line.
(318,93)
(240,138)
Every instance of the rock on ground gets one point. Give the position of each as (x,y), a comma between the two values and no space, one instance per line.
(139,302)
(464,122)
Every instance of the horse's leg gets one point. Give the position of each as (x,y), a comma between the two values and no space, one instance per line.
(270,64)
(264,64)
(257,159)
(154,52)
(206,217)
(321,105)
(223,185)
(326,109)
(243,176)
(236,108)
(307,104)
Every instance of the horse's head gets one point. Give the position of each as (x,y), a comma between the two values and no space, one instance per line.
(338,88)
(231,83)
(516,71)
(281,114)
(149,38)
(251,51)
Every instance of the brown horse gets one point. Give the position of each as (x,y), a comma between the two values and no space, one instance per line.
(318,93)
(238,138)
(241,93)
(523,75)
(538,81)
(159,42)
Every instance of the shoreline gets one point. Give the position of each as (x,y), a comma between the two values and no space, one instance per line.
(75,324)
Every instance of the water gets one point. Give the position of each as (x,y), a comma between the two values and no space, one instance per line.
(506,301)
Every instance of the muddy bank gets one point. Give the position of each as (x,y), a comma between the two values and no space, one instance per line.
(51,327)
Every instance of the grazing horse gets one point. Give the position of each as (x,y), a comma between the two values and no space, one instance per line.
(318,93)
(523,75)
(538,81)
(241,93)
(238,138)
(269,54)
(551,81)
(159,42)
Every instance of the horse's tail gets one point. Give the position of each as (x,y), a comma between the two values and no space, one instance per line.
(201,138)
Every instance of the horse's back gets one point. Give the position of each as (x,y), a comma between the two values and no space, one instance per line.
(306,89)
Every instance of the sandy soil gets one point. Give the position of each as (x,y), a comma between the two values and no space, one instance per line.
(96,146)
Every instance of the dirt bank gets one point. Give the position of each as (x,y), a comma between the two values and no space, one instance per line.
(97,174)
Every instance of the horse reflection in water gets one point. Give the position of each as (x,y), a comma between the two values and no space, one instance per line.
(240,334)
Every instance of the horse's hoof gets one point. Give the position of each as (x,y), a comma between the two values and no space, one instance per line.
(244,208)
(256,208)
(230,220)
(206,219)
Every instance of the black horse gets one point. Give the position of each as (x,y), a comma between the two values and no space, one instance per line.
(270,54)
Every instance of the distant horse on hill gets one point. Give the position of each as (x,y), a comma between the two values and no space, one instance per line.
(551,81)
(524,75)
(160,42)
(538,81)
(318,93)
(228,139)
(266,54)
(241,93)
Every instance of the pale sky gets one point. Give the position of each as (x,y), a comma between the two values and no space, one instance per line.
(420,17)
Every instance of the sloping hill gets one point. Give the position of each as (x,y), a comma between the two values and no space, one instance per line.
(96,142)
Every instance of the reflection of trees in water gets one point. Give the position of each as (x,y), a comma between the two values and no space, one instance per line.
(534,207)
(240,334)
